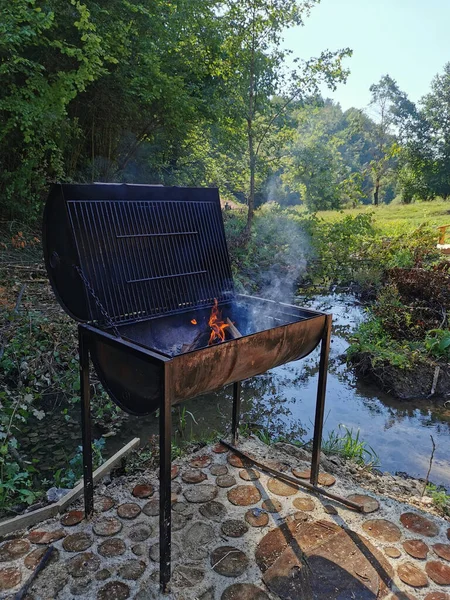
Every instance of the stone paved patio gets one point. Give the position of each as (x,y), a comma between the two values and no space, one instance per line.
(239,534)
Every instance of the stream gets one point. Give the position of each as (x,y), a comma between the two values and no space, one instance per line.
(282,401)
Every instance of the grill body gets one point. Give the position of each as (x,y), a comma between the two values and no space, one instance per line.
(137,265)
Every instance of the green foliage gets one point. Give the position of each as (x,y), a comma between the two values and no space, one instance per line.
(441,499)
(372,340)
(437,343)
(348,444)
(67,478)
(15,474)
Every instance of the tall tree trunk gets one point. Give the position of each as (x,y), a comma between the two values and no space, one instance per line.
(376,192)
(251,141)
(251,196)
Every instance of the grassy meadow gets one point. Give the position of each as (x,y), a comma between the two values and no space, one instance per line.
(394,218)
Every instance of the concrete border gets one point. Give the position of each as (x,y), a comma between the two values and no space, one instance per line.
(47,512)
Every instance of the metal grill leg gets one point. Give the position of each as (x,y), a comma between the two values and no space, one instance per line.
(86,425)
(320,402)
(165,438)
(236,412)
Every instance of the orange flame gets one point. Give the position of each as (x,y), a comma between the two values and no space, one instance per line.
(217,325)
(194,321)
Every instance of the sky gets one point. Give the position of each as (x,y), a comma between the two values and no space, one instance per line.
(407,39)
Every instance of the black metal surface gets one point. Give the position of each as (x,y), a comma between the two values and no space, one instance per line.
(143,250)
(86,429)
(320,401)
(165,491)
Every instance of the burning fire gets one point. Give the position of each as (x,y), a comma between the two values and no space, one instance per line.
(194,321)
(217,325)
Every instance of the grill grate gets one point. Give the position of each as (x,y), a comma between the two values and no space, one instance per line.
(152,257)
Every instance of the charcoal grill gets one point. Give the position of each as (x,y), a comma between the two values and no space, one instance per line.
(139,267)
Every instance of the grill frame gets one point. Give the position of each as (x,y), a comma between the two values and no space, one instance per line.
(139,377)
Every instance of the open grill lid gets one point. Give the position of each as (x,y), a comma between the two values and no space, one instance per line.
(119,253)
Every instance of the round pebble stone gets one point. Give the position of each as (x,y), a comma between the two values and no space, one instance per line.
(129,510)
(183,508)
(416,548)
(304,503)
(131,569)
(151,509)
(106,526)
(203,492)
(103,574)
(257,517)
(193,476)
(178,521)
(392,552)
(219,448)
(9,578)
(32,560)
(368,503)
(412,575)
(215,511)
(114,590)
(218,470)
(442,550)
(298,517)
(186,576)
(176,487)
(280,488)
(244,495)
(104,503)
(200,462)
(46,537)
(234,528)
(330,509)
(77,542)
(112,547)
(72,518)
(225,481)
(140,533)
(244,591)
(402,596)
(138,549)
(383,530)
(143,490)
(207,594)
(196,538)
(79,587)
(272,506)
(175,469)
(438,572)
(325,479)
(238,461)
(14,549)
(437,596)
(419,524)
(154,552)
(249,474)
(229,561)
(83,564)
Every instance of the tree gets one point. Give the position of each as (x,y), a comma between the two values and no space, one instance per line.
(384,142)
(43,67)
(316,166)
(254,72)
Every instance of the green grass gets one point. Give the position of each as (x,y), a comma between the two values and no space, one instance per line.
(348,444)
(396,218)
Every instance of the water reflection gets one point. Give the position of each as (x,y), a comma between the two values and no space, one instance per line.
(283,401)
